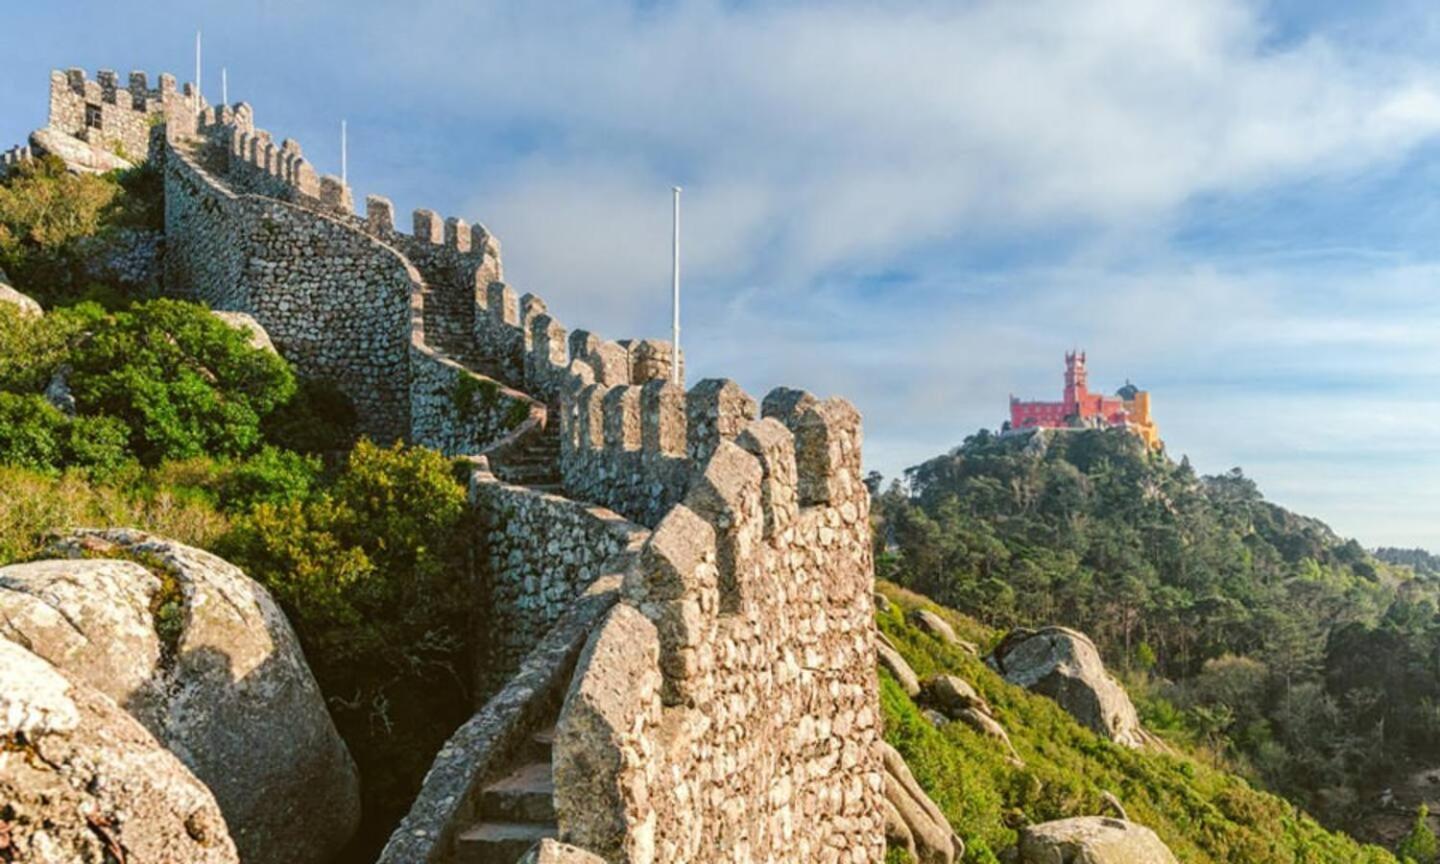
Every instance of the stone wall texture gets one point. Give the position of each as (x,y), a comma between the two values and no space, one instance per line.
(727,708)
(537,553)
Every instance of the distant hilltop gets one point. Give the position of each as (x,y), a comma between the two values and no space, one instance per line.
(1128,409)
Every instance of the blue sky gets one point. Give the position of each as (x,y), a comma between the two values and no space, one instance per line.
(916,205)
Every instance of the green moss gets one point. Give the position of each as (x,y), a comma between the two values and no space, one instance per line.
(473,397)
(517,414)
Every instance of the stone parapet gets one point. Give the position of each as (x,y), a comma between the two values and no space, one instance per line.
(729,701)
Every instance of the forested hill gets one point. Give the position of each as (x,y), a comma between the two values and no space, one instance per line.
(1295,655)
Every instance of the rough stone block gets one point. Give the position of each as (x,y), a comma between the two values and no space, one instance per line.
(335,194)
(774,446)
(501,303)
(622,419)
(715,410)
(786,405)
(727,495)
(610,699)
(427,227)
(591,410)
(612,364)
(379,214)
(662,419)
(827,452)
(457,234)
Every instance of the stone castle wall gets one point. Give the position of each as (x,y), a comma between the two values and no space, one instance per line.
(697,591)
(538,553)
(13,157)
(726,710)
(101,112)
(336,304)
(246,233)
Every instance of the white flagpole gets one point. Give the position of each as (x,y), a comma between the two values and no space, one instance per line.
(224,86)
(675,290)
(344,153)
(198,100)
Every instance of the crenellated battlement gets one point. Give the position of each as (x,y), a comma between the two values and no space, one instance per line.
(251,158)
(458,260)
(105,88)
(695,563)
(112,117)
(520,336)
(744,629)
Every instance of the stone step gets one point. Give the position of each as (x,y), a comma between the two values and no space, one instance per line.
(528,458)
(530,476)
(526,795)
(499,842)
(529,462)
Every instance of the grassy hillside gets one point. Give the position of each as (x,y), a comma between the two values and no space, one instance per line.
(1204,815)
(1299,659)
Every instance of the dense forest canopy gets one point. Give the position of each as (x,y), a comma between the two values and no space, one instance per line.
(1296,655)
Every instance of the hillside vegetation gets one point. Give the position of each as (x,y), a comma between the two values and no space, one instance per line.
(1288,653)
(1203,814)
(177,425)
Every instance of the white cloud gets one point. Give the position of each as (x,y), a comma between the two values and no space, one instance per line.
(858,131)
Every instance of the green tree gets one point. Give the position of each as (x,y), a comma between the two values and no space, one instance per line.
(184,382)
(1420,844)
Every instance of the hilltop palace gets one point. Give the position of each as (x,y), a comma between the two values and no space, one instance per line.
(1128,409)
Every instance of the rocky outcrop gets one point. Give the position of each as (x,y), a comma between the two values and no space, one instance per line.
(955,699)
(1065,665)
(896,665)
(952,695)
(28,307)
(58,392)
(204,659)
(258,337)
(1092,840)
(912,821)
(79,156)
(81,780)
(940,628)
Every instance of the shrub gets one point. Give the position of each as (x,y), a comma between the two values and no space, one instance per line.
(272,476)
(1420,845)
(372,571)
(184,382)
(31,349)
(100,444)
(32,432)
(45,211)
(43,207)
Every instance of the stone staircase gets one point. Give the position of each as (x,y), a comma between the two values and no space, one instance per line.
(446,324)
(516,811)
(536,464)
